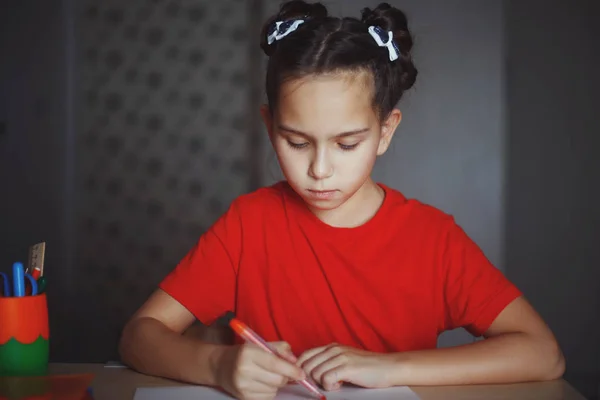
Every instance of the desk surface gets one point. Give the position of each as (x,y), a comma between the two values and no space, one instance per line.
(120,384)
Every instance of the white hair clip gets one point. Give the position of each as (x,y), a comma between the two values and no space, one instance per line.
(283,28)
(380,37)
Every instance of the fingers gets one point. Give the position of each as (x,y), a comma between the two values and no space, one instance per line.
(284,350)
(311,353)
(277,365)
(329,366)
(318,372)
(316,358)
(332,379)
(268,378)
(249,372)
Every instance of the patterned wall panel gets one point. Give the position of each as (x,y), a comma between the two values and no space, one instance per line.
(162,144)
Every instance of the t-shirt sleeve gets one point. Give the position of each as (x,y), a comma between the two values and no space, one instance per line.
(204,281)
(475,291)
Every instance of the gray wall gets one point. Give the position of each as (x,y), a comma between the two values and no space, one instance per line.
(448,150)
(161,146)
(125,140)
(553,220)
(33,107)
(35,148)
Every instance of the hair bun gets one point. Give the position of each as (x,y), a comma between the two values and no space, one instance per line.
(294,9)
(299,8)
(392,19)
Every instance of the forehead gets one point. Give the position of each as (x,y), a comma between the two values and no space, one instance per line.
(322,102)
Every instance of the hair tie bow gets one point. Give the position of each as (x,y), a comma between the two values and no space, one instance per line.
(380,37)
(283,28)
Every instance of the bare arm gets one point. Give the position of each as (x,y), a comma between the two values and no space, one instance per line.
(152,343)
(517,347)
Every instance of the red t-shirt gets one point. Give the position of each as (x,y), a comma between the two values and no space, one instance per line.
(392,284)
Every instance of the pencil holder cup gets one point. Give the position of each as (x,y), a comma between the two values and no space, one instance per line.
(24,335)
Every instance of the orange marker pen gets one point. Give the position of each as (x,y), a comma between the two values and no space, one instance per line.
(249,335)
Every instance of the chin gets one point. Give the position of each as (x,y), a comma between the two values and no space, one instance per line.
(324,205)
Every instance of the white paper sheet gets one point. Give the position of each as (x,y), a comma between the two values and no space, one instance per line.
(291,392)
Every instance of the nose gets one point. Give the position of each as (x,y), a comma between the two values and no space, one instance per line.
(321,166)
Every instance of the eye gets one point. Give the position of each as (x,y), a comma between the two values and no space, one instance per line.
(348,147)
(295,145)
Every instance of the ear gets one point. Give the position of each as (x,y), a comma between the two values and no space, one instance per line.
(388,128)
(267,119)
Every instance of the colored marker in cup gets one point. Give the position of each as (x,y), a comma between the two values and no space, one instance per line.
(249,335)
(5,284)
(18,280)
(41,284)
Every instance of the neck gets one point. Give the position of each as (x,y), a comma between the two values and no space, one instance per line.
(357,210)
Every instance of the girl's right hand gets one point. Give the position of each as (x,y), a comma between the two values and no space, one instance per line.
(250,373)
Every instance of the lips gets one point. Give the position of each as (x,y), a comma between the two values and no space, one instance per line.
(322,194)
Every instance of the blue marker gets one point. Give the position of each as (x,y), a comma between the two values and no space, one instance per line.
(5,284)
(18,280)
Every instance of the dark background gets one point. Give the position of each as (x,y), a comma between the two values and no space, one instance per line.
(126,128)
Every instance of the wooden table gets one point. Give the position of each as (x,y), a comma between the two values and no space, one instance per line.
(120,384)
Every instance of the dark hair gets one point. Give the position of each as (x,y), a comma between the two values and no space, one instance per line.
(325,44)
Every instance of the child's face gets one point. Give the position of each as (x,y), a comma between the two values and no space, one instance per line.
(327,136)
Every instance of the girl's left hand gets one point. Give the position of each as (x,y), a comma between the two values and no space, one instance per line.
(331,365)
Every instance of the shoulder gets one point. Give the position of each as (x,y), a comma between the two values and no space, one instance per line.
(264,198)
(417,214)
(248,211)
(267,202)
(426,225)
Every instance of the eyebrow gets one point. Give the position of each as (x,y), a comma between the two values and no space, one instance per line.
(339,135)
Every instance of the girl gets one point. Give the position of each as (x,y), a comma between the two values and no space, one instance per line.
(345,273)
